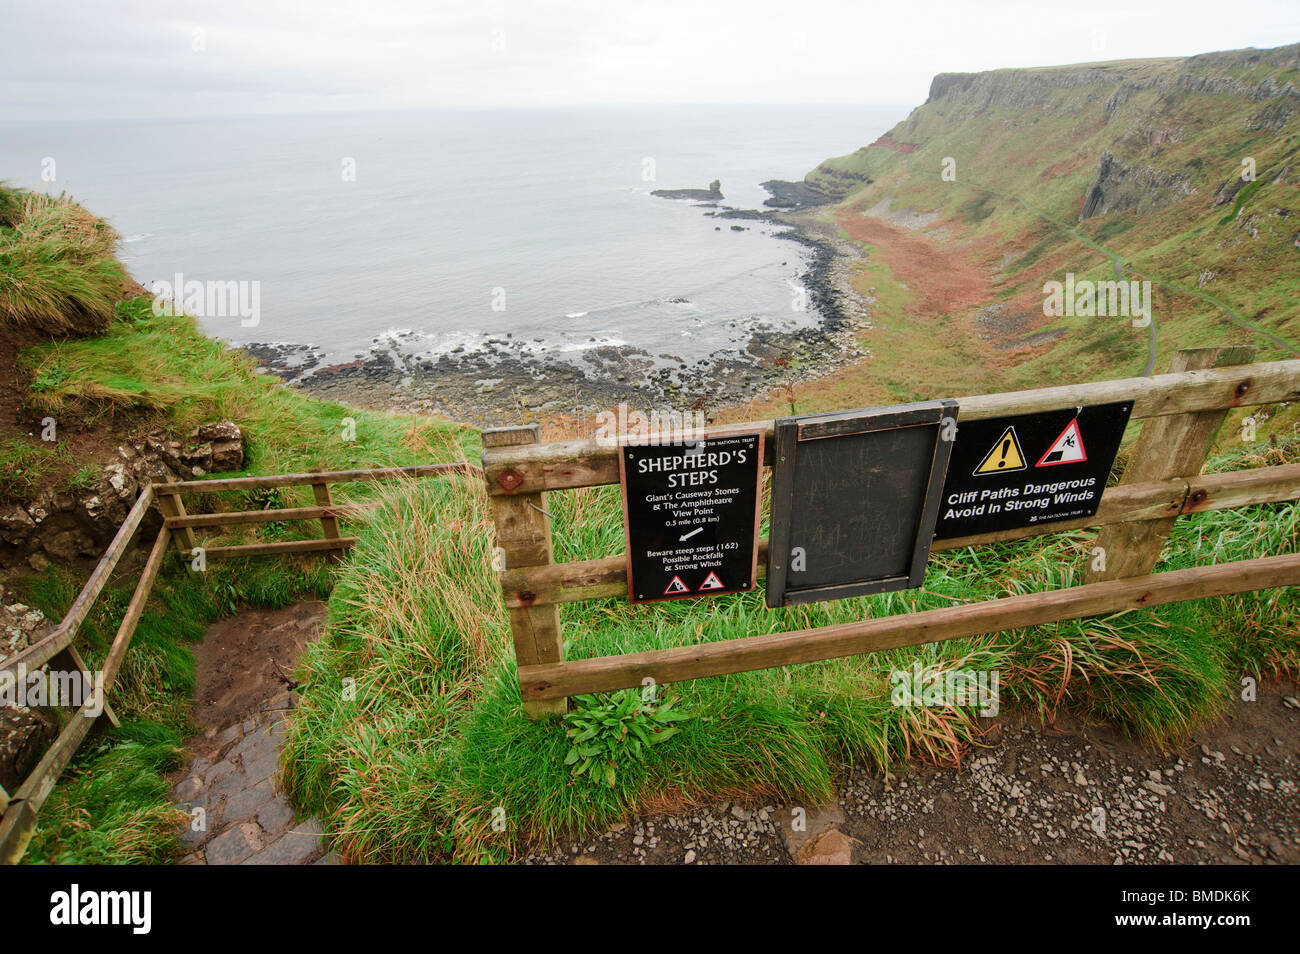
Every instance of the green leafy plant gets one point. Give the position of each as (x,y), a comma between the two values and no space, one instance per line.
(83,479)
(51,376)
(611,727)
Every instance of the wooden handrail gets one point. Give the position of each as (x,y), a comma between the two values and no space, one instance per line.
(567,465)
(601,577)
(59,638)
(18,822)
(606,673)
(318,477)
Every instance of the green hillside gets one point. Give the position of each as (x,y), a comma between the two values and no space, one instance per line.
(1134,165)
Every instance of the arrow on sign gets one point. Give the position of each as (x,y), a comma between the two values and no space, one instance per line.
(687,536)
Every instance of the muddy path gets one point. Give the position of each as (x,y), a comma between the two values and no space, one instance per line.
(229,787)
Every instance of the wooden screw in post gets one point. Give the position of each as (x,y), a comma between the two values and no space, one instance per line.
(1170,446)
(523,531)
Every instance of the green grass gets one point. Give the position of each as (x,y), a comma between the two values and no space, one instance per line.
(150,371)
(414,762)
(25,464)
(58,272)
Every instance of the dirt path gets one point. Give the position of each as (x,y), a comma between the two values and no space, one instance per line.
(1070,794)
(242,694)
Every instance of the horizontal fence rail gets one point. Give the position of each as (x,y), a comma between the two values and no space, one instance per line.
(1189,403)
(567,465)
(602,577)
(321,476)
(605,673)
(326,511)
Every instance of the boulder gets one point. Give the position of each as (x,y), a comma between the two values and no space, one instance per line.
(25,733)
(222,444)
(16,525)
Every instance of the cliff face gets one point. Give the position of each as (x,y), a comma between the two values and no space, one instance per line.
(1186,169)
(1132,116)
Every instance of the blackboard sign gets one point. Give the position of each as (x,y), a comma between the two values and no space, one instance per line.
(854,500)
(690,515)
(1021,471)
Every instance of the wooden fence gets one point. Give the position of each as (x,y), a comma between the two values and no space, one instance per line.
(1162,481)
(18,812)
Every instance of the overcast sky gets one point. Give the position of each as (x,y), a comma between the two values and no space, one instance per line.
(191,58)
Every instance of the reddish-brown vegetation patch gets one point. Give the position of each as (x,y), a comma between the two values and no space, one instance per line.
(904,147)
(942,278)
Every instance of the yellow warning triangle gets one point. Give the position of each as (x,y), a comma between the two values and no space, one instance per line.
(1004,457)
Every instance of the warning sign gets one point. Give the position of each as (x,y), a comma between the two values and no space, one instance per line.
(690,516)
(1004,457)
(1066,449)
(1074,449)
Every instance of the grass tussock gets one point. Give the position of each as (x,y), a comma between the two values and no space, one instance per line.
(411,741)
(58,271)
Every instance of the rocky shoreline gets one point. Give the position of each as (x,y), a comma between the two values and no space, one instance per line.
(506,381)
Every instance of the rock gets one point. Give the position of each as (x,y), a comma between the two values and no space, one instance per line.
(247,802)
(222,446)
(235,844)
(832,847)
(187,789)
(198,457)
(1119,188)
(815,822)
(218,431)
(276,816)
(25,734)
(65,545)
(16,525)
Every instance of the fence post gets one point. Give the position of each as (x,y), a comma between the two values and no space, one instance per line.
(523,532)
(1171,446)
(171,506)
(329,525)
(69,660)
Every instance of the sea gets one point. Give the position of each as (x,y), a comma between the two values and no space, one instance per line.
(435,231)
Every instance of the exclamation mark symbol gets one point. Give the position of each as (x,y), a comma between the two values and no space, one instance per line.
(1006,449)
